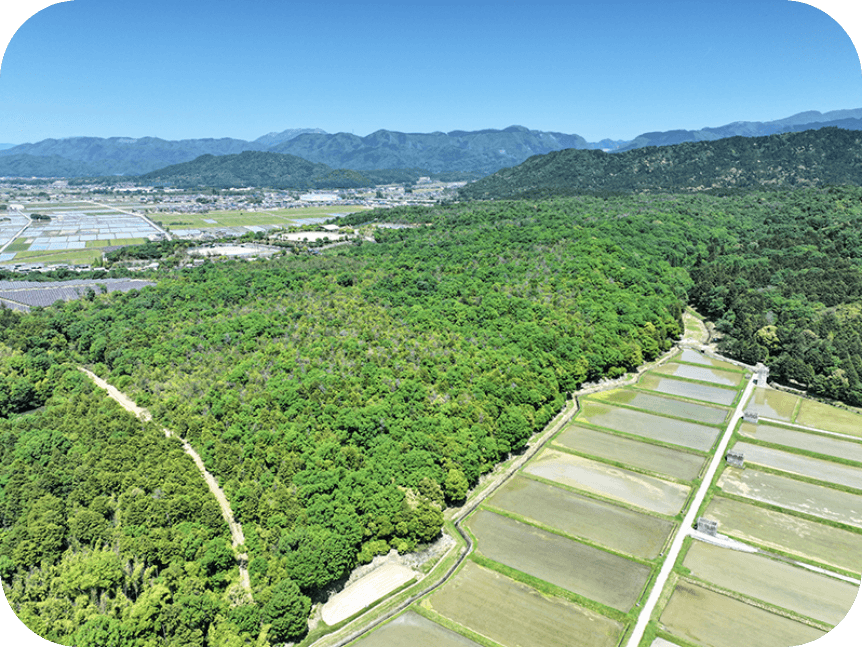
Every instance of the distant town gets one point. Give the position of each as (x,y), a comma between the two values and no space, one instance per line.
(55,224)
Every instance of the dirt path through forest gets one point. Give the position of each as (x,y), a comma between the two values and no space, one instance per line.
(235,528)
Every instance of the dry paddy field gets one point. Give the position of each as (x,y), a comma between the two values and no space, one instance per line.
(823,416)
(777,583)
(813,468)
(633,488)
(648,425)
(516,615)
(695,391)
(412,630)
(701,373)
(715,620)
(816,500)
(606,578)
(663,406)
(656,458)
(772,404)
(807,441)
(620,529)
(807,540)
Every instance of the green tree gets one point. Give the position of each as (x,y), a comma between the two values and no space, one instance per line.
(286,612)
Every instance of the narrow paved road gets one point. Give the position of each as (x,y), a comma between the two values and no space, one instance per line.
(237,537)
(685,527)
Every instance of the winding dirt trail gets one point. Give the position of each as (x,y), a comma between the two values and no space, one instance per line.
(237,538)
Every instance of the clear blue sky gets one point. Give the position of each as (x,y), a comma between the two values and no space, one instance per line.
(616,68)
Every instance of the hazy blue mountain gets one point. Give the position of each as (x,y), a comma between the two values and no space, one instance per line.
(129,156)
(482,150)
(5,146)
(475,152)
(848,119)
(272,139)
(48,166)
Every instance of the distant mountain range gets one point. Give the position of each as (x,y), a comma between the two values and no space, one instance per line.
(479,152)
(811,158)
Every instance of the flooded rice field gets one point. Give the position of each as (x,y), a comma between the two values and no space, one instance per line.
(816,500)
(812,442)
(715,620)
(620,529)
(656,458)
(595,574)
(701,373)
(787,533)
(409,630)
(648,425)
(772,404)
(515,615)
(814,468)
(784,585)
(663,406)
(646,492)
(704,392)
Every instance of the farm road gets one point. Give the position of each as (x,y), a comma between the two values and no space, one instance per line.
(236,534)
(685,527)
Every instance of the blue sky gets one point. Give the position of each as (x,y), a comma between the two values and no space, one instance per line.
(617,68)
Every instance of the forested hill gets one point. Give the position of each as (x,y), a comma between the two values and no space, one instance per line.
(343,400)
(809,158)
(254,168)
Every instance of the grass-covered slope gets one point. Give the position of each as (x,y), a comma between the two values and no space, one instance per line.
(810,158)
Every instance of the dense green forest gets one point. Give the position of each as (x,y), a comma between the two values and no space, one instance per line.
(791,160)
(344,399)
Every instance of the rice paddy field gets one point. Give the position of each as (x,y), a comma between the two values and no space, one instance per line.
(790,494)
(691,356)
(803,538)
(701,373)
(695,391)
(515,615)
(770,403)
(806,441)
(620,529)
(705,617)
(409,630)
(592,573)
(756,576)
(72,233)
(237,218)
(628,487)
(813,468)
(568,545)
(667,430)
(656,458)
(663,405)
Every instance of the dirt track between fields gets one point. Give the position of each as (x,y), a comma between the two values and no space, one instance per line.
(237,537)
